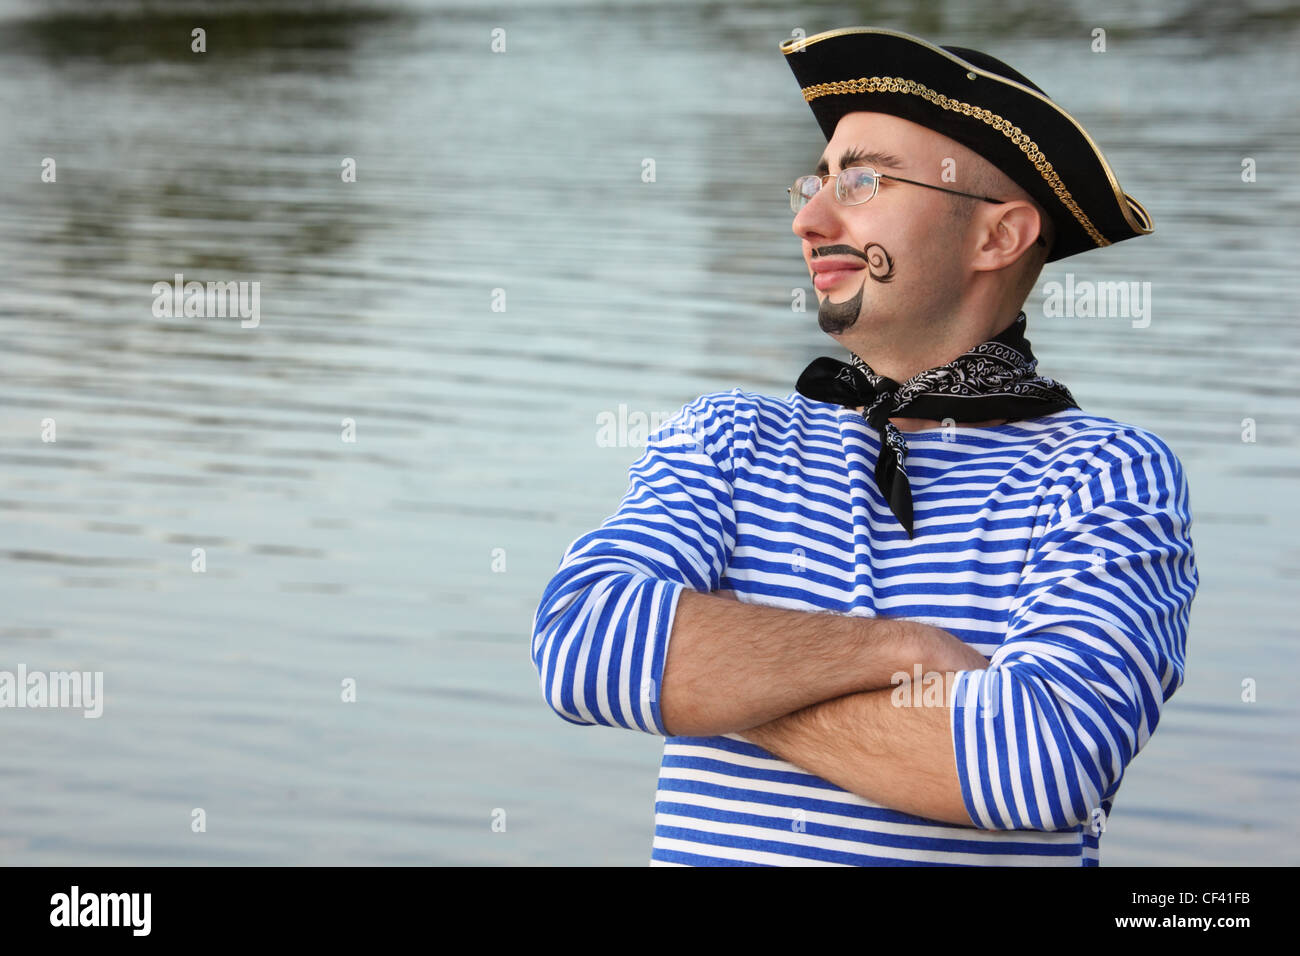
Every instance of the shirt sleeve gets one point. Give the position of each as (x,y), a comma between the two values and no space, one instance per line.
(600,634)
(1095,646)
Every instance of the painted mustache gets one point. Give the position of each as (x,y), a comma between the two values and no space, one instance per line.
(879,263)
(825,251)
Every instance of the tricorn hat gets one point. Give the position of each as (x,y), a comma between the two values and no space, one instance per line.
(981,103)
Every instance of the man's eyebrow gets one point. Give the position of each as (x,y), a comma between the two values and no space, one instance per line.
(855,154)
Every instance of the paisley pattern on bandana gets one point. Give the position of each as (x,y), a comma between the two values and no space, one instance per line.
(995,379)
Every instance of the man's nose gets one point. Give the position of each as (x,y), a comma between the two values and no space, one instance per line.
(820,216)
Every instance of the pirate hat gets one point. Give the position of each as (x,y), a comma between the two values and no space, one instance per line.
(981,103)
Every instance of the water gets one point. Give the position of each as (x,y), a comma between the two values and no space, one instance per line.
(476,429)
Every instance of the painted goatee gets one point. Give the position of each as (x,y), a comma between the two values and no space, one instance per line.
(836,317)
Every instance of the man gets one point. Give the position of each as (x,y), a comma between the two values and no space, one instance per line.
(1008,578)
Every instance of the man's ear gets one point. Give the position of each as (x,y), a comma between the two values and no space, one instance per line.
(1005,232)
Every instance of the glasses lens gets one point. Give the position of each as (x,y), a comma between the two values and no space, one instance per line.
(856,184)
(805,187)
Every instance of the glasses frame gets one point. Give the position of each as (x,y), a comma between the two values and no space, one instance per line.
(876,177)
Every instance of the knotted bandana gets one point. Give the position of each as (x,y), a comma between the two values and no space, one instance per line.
(993,380)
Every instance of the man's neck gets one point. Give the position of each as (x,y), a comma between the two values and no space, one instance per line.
(902,368)
(924,349)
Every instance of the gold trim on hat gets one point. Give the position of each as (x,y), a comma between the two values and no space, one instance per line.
(1132,210)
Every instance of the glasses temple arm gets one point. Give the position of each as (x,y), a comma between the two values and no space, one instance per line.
(997,202)
(942,189)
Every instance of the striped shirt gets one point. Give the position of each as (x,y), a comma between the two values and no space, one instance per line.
(1059,547)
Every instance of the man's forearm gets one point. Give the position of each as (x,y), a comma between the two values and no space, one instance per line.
(732,666)
(900,757)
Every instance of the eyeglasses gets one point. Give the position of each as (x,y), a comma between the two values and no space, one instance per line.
(859,184)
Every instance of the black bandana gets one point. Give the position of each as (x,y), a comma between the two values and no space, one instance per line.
(993,380)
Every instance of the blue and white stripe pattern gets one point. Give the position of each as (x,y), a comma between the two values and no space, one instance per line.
(1059,547)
